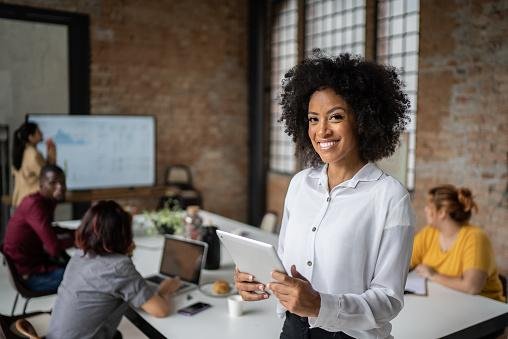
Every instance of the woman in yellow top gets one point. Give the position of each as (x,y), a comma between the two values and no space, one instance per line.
(452,252)
(27,161)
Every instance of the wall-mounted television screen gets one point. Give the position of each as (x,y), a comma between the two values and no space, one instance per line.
(102,151)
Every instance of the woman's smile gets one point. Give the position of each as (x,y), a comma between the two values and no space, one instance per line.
(327,144)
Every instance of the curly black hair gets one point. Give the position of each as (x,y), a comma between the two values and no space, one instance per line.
(373,92)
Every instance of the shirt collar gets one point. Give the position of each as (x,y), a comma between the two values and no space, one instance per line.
(369,172)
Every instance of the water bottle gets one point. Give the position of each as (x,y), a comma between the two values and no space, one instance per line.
(192,222)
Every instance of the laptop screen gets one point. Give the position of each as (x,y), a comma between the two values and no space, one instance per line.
(182,258)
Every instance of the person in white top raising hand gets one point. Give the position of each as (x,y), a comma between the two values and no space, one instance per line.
(348,227)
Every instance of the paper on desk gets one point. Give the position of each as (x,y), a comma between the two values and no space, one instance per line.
(416,284)
(70,224)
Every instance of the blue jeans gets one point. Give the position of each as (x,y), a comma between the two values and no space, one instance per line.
(45,281)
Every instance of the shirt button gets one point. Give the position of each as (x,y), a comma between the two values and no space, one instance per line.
(309,263)
(313,229)
(328,199)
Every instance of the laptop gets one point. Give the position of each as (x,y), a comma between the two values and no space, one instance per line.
(184,258)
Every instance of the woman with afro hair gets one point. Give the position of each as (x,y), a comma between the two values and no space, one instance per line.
(347,229)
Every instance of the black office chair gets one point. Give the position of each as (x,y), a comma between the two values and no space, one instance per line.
(19,326)
(180,190)
(503,282)
(19,285)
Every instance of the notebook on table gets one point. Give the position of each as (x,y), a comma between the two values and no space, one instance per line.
(415,284)
(184,258)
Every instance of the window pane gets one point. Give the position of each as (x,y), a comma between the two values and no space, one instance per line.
(411,64)
(410,80)
(396,61)
(397,7)
(397,45)
(284,54)
(412,5)
(412,23)
(396,26)
(349,19)
(360,34)
(412,43)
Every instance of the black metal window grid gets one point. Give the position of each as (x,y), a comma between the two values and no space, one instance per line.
(397,45)
(335,26)
(284,55)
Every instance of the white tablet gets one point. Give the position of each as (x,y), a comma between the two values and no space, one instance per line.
(252,256)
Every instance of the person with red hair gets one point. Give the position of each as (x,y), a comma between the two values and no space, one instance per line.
(101,281)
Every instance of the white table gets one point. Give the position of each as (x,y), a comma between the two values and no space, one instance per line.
(259,319)
(443,313)
(448,313)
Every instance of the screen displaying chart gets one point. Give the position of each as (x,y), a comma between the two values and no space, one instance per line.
(101,151)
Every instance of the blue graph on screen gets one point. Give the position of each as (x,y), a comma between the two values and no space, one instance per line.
(98,151)
(62,138)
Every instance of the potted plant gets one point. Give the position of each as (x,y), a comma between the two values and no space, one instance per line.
(167,220)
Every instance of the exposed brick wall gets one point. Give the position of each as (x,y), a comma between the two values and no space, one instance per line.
(185,62)
(462,124)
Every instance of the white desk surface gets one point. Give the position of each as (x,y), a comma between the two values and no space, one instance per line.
(441,313)
(259,319)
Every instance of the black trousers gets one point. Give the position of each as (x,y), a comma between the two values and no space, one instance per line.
(296,327)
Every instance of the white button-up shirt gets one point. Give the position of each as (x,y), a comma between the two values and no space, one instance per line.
(353,244)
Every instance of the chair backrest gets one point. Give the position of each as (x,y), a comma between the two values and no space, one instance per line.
(503,282)
(17,281)
(24,327)
(269,222)
(180,176)
(38,319)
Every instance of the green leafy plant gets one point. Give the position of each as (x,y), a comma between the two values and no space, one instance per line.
(167,220)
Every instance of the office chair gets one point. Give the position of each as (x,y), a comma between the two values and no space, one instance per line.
(269,222)
(179,176)
(24,325)
(19,285)
(180,188)
(503,282)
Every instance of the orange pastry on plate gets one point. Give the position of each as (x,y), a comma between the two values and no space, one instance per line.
(221,287)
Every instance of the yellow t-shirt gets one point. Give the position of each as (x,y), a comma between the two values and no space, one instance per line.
(471,249)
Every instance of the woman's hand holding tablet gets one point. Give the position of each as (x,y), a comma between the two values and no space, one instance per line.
(255,261)
(296,293)
(248,288)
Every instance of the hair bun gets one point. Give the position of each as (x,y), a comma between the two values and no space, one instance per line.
(466,199)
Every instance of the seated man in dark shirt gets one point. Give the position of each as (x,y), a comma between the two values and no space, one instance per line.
(31,242)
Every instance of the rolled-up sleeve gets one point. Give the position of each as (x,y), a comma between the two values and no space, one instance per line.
(131,286)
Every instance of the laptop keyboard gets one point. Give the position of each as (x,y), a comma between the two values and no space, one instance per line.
(157,279)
